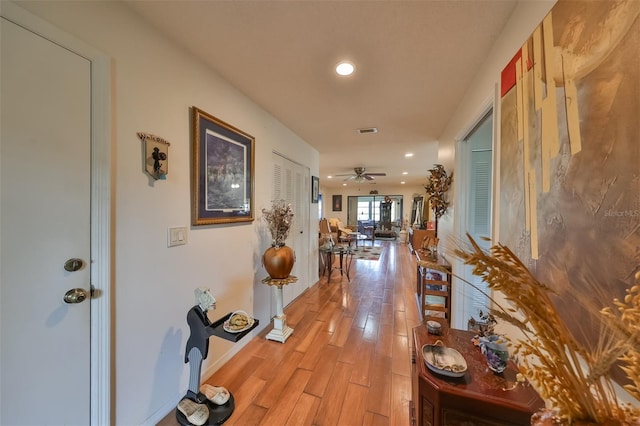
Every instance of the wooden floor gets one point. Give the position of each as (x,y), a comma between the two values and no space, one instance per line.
(348,360)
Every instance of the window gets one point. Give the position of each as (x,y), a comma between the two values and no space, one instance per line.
(367,208)
(364,210)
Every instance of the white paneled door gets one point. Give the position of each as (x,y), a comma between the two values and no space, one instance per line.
(291,183)
(45,177)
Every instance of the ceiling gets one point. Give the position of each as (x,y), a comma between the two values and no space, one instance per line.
(414,61)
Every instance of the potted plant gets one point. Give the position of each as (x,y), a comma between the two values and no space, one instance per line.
(278,259)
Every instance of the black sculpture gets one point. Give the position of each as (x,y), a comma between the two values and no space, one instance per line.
(216,400)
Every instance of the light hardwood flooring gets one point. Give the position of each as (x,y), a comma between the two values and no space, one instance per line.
(348,360)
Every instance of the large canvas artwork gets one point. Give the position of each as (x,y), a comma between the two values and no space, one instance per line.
(570,155)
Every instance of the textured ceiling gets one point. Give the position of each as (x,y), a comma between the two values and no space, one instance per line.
(414,61)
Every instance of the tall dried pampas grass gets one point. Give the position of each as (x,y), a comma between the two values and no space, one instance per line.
(574,381)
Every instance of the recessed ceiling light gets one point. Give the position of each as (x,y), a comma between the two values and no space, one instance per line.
(329,177)
(402,183)
(409,154)
(345,68)
(405,173)
(344,184)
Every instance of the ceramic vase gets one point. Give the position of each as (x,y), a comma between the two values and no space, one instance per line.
(278,261)
(495,352)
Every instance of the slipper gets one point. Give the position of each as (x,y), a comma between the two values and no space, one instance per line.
(216,394)
(196,414)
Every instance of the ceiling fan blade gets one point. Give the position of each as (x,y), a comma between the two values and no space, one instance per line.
(367,177)
(351,177)
(348,174)
(376,174)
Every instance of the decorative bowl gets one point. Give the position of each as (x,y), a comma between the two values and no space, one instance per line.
(230,327)
(445,361)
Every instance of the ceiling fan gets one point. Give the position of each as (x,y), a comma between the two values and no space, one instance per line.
(361,175)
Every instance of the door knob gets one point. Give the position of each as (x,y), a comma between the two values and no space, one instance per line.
(75,295)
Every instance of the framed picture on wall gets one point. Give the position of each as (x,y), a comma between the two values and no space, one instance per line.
(337,203)
(315,189)
(222,172)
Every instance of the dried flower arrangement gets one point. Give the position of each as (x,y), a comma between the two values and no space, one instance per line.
(573,379)
(279,219)
(437,184)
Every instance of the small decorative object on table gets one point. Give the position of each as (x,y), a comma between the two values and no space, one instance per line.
(434,327)
(495,352)
(442,360)
(484,325)
(238,322)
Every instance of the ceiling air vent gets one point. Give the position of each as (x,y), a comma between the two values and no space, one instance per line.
(368,130)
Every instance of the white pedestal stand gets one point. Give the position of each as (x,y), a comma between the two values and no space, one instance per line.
(281,331)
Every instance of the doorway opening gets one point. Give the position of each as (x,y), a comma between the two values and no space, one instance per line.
(377,216)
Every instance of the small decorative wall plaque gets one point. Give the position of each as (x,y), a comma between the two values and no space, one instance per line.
(156,155)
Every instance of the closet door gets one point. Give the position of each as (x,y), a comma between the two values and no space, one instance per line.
(478,151)
(291,183)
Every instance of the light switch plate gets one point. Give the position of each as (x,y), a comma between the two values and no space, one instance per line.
(177,236)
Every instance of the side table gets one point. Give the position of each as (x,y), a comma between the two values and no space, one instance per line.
(281,331)
(479,398)
(345,254)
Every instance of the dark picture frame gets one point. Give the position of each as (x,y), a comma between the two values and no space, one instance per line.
(222,171)
(337,203)
(315,189)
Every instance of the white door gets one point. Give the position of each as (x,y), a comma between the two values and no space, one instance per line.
(475,180)
(45,177)
(291,183)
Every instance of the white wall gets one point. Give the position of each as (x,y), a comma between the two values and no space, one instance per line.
(524,20)
(481,94)
(154,84)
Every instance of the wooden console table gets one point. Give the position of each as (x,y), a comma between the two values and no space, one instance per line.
(479,398)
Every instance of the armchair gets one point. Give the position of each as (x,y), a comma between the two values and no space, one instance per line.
(339,230)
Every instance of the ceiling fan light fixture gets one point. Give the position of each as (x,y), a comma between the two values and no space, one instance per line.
(345,68)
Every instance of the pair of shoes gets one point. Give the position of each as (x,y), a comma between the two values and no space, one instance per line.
(196,414)
(216,394)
